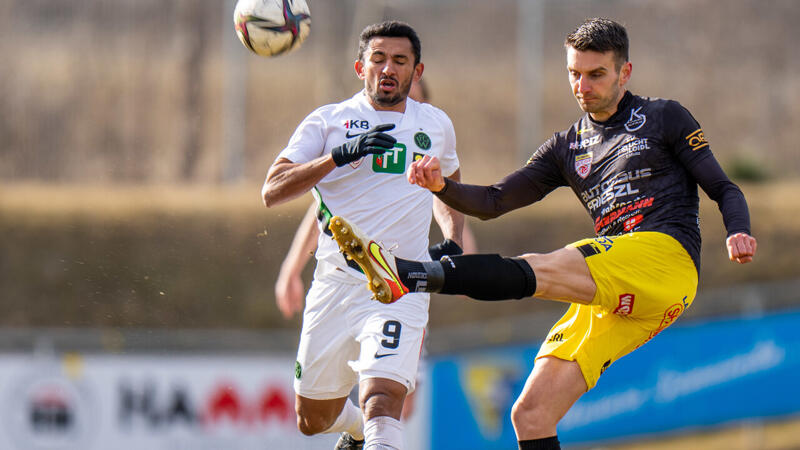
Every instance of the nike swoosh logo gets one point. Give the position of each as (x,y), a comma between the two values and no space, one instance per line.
(375,249)
(381,355)
(349,136)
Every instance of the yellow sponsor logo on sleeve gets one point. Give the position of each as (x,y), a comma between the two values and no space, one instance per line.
(697,140)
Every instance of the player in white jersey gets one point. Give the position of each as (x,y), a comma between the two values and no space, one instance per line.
(290,290)
(354,155)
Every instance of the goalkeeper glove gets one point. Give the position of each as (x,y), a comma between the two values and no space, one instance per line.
(374,141)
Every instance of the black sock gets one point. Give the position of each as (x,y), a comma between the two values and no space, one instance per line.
(482,277)
(420,276)
(548,443)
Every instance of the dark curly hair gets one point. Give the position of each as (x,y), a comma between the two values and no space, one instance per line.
(390,28)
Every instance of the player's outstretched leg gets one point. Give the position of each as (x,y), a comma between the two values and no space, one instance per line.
(482,277)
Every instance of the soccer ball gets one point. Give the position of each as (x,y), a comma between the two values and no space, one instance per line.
(272,27)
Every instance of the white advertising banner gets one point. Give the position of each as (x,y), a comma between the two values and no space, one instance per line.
(149,402)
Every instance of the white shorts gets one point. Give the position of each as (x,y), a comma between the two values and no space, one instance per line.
(348,337)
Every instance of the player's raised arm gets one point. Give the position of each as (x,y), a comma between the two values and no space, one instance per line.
(287,180)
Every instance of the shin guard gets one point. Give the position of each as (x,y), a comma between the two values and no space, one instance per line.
(488,277)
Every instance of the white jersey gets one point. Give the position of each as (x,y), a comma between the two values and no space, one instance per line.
(373,192)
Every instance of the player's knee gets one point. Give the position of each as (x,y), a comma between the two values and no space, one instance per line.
(519,414)
(310,423)
(309,427)
(527,415)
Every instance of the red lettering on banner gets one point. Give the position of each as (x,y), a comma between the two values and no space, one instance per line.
(225,403)
(275,403)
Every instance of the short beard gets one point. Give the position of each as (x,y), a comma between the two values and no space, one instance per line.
(401,95)
(387,101)
(605,106)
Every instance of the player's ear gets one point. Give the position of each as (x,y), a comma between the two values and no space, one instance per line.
(418,71)
(359,67)
(625,73)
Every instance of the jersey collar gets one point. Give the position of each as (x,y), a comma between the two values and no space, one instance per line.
(621,115)
(372,114)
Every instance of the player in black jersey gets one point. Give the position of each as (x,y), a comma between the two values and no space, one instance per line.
(635,164)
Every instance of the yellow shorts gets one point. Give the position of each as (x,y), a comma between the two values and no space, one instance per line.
(645,280)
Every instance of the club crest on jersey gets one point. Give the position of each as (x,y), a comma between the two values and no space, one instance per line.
(636,120)
(583,164)
(422,140)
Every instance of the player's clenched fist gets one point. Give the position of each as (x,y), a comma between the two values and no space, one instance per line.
(741,247)
(427,173)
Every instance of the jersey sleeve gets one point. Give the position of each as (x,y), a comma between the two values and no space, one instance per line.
(521,188)
(308,140)
(683,134)
(449,159)
(543,168)
(693,151)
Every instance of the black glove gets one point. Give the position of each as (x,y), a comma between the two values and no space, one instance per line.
(446,247)
(374,141)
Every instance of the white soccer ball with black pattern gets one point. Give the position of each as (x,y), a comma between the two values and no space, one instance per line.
(272,27)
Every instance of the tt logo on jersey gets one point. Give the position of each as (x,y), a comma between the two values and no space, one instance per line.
(697,140)
(355,125)
(636,120)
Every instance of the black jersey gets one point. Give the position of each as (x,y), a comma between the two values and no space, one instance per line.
(637,171)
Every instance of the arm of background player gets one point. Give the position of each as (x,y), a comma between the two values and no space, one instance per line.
(469,243)
(450,221)
(287,180)
(289,288)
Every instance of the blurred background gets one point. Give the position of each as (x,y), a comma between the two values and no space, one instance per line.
(137,262)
